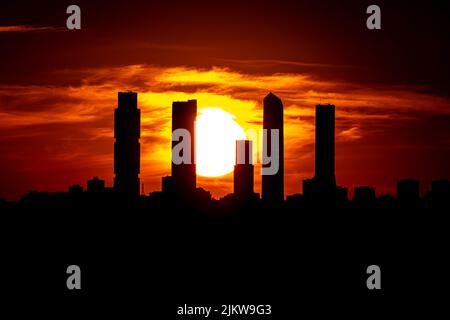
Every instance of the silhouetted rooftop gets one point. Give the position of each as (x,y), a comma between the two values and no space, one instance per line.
(272,96)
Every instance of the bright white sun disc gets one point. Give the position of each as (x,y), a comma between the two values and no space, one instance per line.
(216,134)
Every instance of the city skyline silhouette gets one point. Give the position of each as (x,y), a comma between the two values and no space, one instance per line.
(57,128)
(96,98)
(320,190)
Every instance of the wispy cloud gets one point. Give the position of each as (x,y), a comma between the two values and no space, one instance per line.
(30,28)
(274,62)
(70,127)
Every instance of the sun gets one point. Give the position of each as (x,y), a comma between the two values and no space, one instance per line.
(216,135)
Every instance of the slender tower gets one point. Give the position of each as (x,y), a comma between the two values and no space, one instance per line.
(184,176)
(127,132)
(273,185)
(324,158)
(244,169)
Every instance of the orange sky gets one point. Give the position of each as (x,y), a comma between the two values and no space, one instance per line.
(54,136)
(58,88)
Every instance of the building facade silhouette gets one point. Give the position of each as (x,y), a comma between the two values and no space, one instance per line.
(321,189)
(95,185)
(324,148)
(166,184)
(273,185)
(364,197)
(184,114)
(127,154)
(75,188)
(244,169)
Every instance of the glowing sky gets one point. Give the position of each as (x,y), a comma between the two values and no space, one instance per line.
(58,89)
(57,135)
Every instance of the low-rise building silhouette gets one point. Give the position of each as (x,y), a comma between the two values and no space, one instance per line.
(364,196)
(75,188)
(96,185)
(386,202)
(341,194)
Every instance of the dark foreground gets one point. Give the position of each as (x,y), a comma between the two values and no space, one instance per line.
(144,261)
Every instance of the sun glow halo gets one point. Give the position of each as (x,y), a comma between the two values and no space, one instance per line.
(216,135)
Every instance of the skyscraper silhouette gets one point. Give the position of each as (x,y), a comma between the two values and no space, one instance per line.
(127,132)
(184,177)
(244,169)
(273,185)
(324,149)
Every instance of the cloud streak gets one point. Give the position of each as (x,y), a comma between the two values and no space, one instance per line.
(67,130)
(29,28)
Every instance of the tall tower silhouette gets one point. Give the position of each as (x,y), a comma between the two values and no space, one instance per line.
(244,169)
(184,176)
(324,149)
(273,185)
(127,132)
